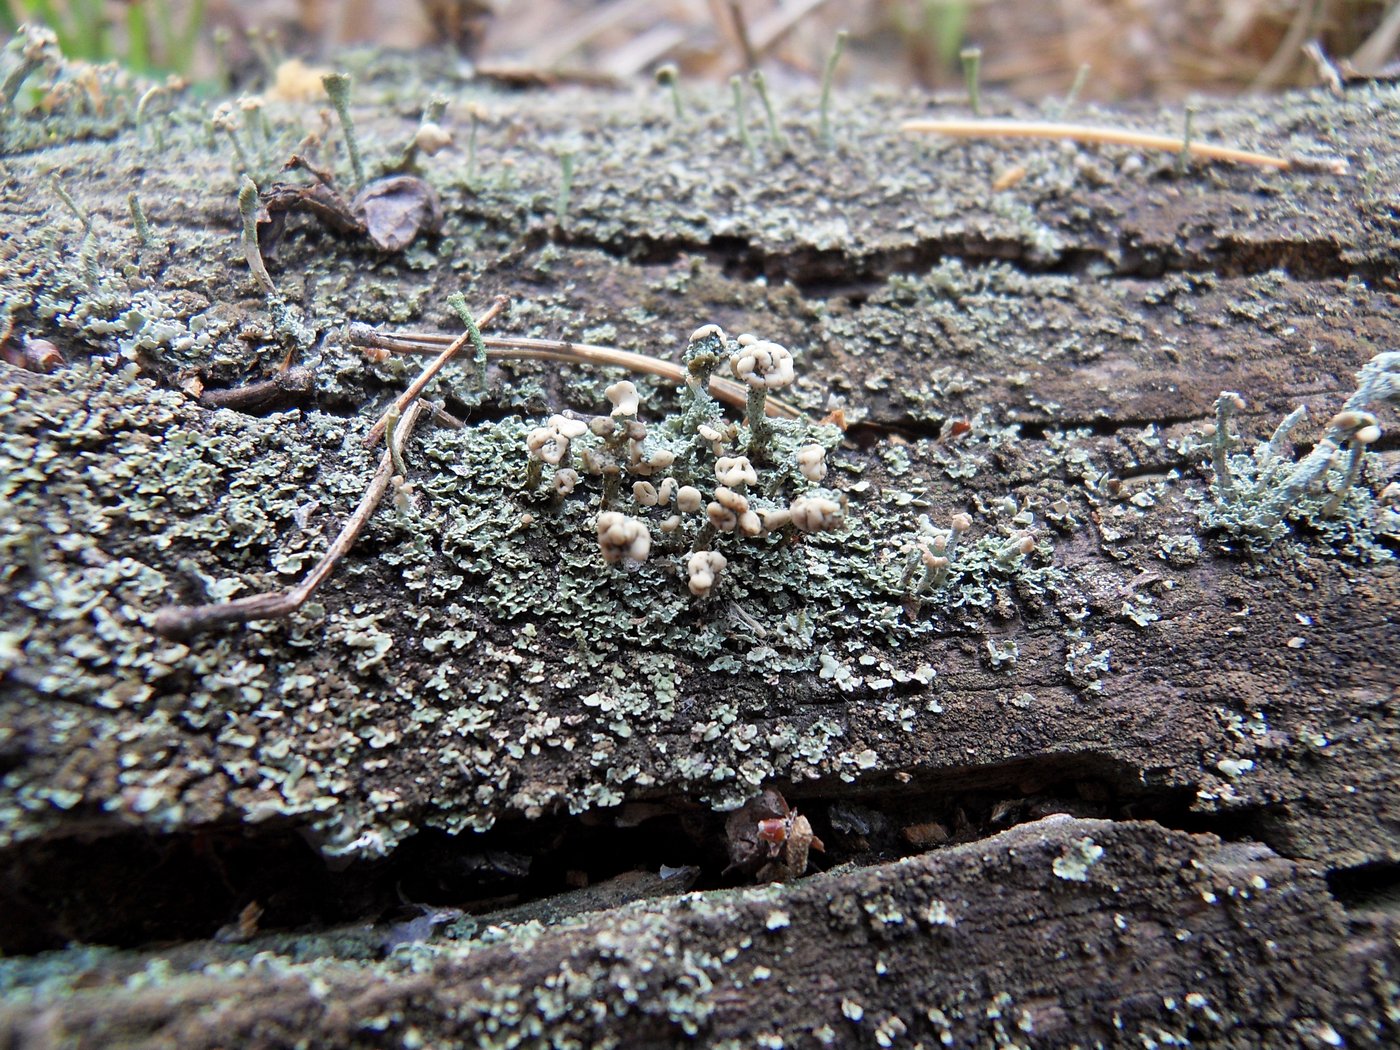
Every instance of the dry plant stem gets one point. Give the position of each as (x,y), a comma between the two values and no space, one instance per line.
(770,29)
(581,30)
(1107,136)
(643,50)
(181,621)
(766,33)
(1372,55)
(741,33)
(505,348)
(435,366)
(1275,71)
(441,416)
(1327,72)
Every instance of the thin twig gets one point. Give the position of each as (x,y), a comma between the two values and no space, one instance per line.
(1118,137)
(434,367)
(180,621)
(506,348)
(266,395)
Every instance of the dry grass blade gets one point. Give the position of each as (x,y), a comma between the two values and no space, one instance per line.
(770,30)
(1380,45)
(608,15)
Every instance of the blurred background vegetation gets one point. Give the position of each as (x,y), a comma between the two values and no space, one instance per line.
(1159,49)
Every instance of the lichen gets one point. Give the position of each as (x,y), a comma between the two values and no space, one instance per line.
(225,504)
(1078,858)
(1256,495)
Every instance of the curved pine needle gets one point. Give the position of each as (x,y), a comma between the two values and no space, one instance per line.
(181,621)
(523,348)
(1119,137)
(401,403)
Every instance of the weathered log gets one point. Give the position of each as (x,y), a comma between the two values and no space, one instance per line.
(1216,711)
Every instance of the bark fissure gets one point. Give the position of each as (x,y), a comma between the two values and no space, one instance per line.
(822,274)
(186,886)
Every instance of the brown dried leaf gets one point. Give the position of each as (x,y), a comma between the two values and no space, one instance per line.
(320,199)
(396,210)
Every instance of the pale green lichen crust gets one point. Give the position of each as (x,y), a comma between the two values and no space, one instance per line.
(121,491)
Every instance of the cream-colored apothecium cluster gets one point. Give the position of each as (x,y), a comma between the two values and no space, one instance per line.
(698,482)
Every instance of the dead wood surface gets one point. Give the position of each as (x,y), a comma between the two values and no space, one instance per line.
(1221,728)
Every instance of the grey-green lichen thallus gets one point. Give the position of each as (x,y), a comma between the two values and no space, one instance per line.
(995,353)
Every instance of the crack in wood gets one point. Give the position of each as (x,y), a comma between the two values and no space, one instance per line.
(833,273)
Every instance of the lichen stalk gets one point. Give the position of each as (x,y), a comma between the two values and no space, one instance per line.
(1080,79)
(1353,471)
(775,131)
(458,303)
(248,210)
(1222,442)
(566,186)
(419,384)
(1309,469)
(829,78)
(1274,450)
(736,87)
(471,148)
(87,255)
(1183,158)
(972,74)
(72,205)
(338,89)
(669,77)
(760,431)
(138,220)
(141,105)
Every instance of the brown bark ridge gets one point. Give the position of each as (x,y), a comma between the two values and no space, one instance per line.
(1132,787)
(1056,933)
